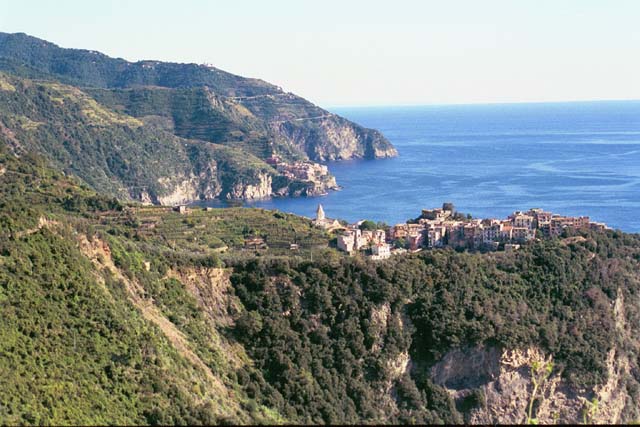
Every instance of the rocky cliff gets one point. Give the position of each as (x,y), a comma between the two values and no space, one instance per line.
(496,386)
(331,137)
(493,385)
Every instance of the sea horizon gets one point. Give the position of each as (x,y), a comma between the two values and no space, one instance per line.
(571,158)
(331,107)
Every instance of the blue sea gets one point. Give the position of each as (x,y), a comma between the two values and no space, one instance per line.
(579,158)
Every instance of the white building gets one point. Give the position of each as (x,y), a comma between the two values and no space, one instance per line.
(353,239)
(374,236)
(323,222)
(435,236)
(521,220)
(380,251)
(346,242)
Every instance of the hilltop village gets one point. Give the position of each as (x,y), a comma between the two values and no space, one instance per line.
(444,227)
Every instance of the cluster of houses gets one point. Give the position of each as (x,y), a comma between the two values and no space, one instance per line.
(352,238)
(303,171)
(441,227)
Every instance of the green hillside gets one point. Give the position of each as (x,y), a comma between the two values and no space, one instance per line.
(199,101)
(142,315)
(123,156)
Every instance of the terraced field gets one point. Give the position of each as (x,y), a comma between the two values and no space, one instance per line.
(202,231)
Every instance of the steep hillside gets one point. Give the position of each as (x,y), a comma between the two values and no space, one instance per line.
(142,315)
(231,104)
(548,334)
(82,341)
(120,155)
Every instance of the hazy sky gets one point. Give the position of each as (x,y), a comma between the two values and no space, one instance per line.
(343,52)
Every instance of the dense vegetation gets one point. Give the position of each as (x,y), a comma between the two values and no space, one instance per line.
(314,328)
(289,339)
(75,347)
(115,153)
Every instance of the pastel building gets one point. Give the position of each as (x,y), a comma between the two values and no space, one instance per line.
(380,251)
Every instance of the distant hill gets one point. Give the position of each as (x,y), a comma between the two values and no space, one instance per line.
(199,101)
(123,156)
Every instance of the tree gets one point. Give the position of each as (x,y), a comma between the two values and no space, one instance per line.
(448,206)
(368,225)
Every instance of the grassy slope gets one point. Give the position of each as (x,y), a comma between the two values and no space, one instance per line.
(77,346)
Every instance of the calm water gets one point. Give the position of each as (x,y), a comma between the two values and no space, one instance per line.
(570,158)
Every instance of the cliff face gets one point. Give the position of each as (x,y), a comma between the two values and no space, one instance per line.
(333,138)
(259,188)
(497,386)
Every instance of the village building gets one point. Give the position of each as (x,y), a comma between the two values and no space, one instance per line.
(522,234)
(304,171)
(415,241)
(353,239)
(521,220)
(398,232)
(541,217)
(374,236)
(322,221)
(436,236)
(437,214)
(255,243)
(181,209)
(380,251)
(506,234)
(347,242)
(598,226)
(559,223)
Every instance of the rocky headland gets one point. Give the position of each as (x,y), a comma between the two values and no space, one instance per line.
(168,133)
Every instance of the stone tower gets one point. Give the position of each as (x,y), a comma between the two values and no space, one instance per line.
(320,213)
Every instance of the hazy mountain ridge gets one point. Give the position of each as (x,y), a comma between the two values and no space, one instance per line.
(316,135)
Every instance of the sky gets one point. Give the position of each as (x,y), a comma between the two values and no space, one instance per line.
(359,53)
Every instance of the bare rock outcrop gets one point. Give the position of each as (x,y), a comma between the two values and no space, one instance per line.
(501,383)
(334,138)
(259,188)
